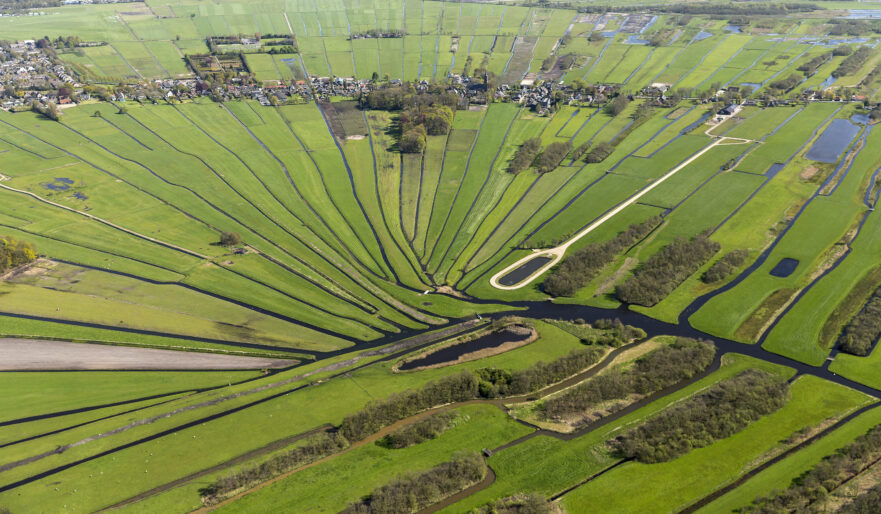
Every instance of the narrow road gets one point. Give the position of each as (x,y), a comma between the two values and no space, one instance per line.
(556,253)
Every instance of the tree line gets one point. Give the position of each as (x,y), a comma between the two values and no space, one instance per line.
(718,412)
(470,385)
(725,266)
(826,476)
(418,432)
(530,154)
(316,447)
(577,270)
(864,329)
(703,8)
(660,368)
(415,491)
(853,62)
(665,270)
(14,253)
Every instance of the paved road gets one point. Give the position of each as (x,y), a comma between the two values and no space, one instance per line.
(31,355)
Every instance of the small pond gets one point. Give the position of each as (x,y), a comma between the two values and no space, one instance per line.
(522,273)
(861,119)
(833,141)
(702,35)
(826,83)
(735,29)
(754,85)
(634,40)
(512,334)
(785,267)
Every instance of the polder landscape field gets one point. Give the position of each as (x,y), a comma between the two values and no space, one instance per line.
(420,256)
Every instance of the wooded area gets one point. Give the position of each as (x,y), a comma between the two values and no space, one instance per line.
(665,270)
(660,368)
(718,412)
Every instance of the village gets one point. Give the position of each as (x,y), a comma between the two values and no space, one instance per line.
(31,74)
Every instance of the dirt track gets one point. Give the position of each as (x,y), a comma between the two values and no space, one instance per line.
(29,355)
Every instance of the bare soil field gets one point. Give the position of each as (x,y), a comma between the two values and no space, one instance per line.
(30,355)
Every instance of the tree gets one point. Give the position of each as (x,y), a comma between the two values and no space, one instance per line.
(230,239)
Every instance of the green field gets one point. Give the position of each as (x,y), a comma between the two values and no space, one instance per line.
(343,219)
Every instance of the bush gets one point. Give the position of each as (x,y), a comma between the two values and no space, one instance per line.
(716,413)
(725,266)
(864,329)
(599,153)
(582,149)
(787,83)
(316,447)
(230,239)
(617,105)
(414,492)
(665,270)
(842,50)
(867,503)
(810,67)
(15,253)
(853,63)
(582,266)
(552,156)
(525,155)
(413,141)
(418,432)
(827,475)
(520,504)
(660,368)
(381,413)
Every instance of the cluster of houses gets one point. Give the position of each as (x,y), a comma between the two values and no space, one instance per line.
(28,74)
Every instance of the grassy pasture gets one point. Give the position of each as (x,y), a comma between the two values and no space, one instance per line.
(703,470)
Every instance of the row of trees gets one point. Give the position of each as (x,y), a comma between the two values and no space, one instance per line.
(494,383)
(725,266)
(396,98)
(470,385)
(660,368)
(743,9)
(525,155)
(418,432)
(316,447)
(530,154)
(14,253)
(665,270)
(853,62)
(599,153)
(582,266)
(716,413)
(414,492)
(827,475)
(864,329)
